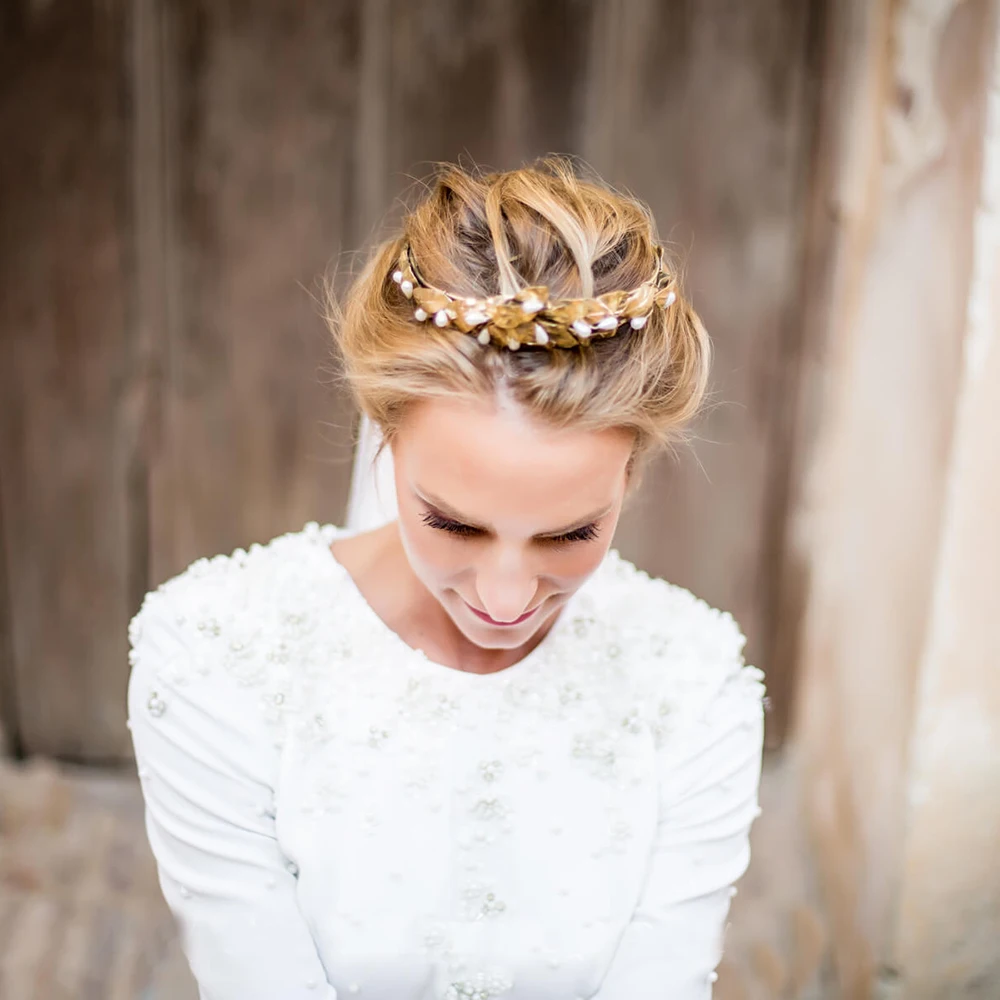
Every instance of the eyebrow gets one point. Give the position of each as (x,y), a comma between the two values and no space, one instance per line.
(443,508)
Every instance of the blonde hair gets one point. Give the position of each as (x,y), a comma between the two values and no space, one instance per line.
(480,234)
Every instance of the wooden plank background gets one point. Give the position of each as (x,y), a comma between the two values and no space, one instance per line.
(177,176)
(66,433)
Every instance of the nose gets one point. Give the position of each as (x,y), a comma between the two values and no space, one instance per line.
(506,587)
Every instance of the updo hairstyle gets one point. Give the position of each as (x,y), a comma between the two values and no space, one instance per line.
(483,234)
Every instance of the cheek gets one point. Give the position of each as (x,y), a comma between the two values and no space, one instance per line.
(434,556)
(572,564)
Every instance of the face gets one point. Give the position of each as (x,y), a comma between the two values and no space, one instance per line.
(503,518)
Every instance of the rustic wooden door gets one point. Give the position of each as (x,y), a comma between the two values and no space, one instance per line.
(178,175)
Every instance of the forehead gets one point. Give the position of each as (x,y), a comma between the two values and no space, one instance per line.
(487,459)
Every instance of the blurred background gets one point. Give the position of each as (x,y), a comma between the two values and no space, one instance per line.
(176,179)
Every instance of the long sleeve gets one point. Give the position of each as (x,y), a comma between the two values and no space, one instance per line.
(208,765)
(709,778)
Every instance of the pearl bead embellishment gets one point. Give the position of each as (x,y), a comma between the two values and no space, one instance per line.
(491,770)
(483,986)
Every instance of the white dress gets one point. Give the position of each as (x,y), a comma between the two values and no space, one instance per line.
(334,815)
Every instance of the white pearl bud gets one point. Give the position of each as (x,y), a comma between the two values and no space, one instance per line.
(420,314)
(638,322)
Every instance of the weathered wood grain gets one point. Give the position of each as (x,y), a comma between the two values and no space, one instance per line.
(263,99)
(901,238)
(65,436)
(704,111)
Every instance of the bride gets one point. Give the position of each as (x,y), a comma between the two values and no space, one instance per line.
(459,747)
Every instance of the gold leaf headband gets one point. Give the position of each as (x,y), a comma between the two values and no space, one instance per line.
(529,316)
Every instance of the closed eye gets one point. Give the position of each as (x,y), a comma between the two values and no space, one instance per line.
(585,534)
(455,527)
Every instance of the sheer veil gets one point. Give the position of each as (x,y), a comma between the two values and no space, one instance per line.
(372,498)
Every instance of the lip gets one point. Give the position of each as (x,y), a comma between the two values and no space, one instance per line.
(492,621)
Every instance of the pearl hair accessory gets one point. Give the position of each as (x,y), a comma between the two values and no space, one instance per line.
(530,317)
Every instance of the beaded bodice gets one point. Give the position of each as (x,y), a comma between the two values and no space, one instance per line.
(434,833)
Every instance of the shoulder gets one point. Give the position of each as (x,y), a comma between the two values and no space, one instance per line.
(227,619)
(687,655)
(658,615)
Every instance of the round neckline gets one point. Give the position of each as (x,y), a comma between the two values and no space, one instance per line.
(329,532)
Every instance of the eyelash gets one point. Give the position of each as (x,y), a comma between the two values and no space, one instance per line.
(585,534)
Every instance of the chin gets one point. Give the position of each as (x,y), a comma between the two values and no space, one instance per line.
(488,637)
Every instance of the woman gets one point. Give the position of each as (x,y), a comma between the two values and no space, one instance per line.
(470,752)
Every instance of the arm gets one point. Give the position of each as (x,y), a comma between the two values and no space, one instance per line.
(709,777)
(208,765)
